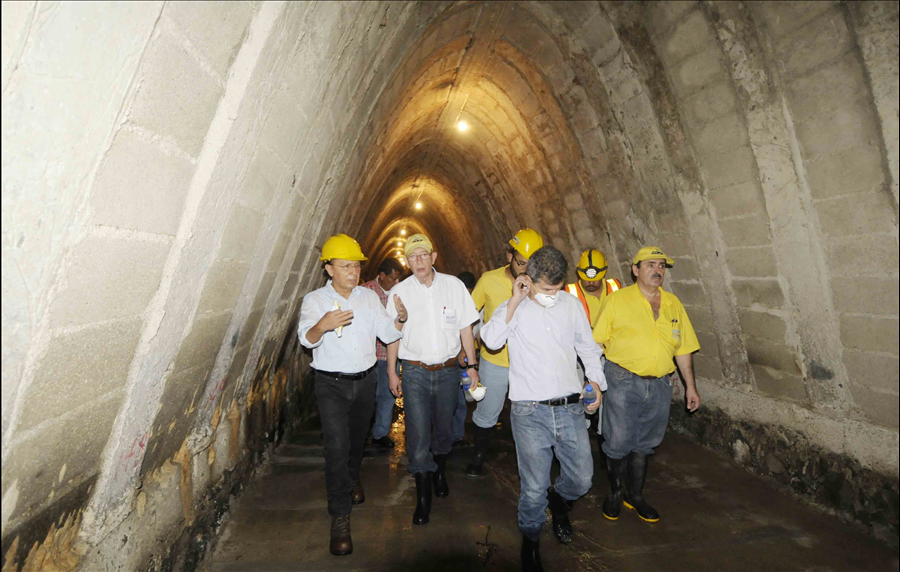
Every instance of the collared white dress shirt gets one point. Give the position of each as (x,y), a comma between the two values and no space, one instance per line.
(543,344)
(436,315)
(354,351)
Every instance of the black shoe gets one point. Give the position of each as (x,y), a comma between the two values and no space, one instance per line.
(341,543)
(439,479)
(423,498)
(615,470)
(482,444)
(559,509)
(531,555)
(461,444)
(633,498)
(385,442)
(357,495)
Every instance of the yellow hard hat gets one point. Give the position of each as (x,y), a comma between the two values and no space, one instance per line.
(526,241)
(343,247)
(592,265)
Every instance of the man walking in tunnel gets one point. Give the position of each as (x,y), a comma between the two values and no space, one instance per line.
(642,327)
(493,288)
(591,289)
(546,331)
(389,273)
(340,322)
(442,314)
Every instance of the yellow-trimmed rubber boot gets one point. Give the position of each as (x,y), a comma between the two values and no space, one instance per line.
(633,499)
(615,470)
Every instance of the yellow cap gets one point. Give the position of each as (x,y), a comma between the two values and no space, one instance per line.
(592,265)
(652,253)
(343,247)
(526,241)
(418,241)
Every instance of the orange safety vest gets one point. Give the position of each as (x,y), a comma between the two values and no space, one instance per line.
(575,290)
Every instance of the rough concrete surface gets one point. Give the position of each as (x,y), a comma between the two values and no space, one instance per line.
(714,516)
(171,170)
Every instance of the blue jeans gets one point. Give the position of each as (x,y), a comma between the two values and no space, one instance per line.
(459,418)
(429,400)
(540,432)
(635,411)
(495,379)
(384,402)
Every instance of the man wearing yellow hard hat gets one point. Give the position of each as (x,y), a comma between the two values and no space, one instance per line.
(340,322)
(642,328)
(591,289)
(493,288)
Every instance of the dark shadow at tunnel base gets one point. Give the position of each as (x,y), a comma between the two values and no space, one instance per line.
(715,517)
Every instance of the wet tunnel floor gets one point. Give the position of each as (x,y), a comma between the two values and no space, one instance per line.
(715,516)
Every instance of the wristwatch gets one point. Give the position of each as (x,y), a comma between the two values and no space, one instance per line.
(472,366)
(402,321)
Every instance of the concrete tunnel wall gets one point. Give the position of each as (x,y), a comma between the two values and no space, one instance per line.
(170,169)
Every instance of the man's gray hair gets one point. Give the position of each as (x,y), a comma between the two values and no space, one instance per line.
(547,263)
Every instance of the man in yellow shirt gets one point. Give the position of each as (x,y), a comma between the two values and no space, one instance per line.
(642,327)
(493,288)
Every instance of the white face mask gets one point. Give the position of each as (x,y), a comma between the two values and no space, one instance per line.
(546,300)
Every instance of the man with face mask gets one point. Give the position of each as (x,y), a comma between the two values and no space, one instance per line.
(546,330)
(493,288)
(340,322)
(642,327)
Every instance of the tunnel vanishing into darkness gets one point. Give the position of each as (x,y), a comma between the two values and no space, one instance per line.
(170,170)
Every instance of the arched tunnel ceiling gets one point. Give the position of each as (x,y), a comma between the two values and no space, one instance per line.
(163,207)
(477,186)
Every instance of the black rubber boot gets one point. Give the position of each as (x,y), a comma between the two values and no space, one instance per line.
(615,470)
(637,472)
(559,509)
(439,478)
(482,444)
(423,498)
(531,555)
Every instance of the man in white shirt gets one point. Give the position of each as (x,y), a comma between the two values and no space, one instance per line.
(546,330)
(441,318)
(340,322)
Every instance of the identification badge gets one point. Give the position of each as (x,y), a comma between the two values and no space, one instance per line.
(449,319)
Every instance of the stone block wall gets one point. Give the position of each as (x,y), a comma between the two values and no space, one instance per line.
(170,171)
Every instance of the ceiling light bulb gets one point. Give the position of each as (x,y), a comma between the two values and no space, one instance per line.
(403,232)
(462,125)
(399,243)
(418,206)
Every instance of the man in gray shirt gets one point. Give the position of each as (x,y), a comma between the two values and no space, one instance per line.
(546,330)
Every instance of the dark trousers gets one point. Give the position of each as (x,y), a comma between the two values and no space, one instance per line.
(345,408)
(429,400)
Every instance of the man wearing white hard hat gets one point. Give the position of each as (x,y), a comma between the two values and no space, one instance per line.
(340,322)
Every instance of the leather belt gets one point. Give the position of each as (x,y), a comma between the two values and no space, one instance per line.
(426,367)
(647,377)
(350,376)
(567,400)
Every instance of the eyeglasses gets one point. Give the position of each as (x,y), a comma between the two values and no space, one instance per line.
(351,266)
(417,257)
(520,263)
